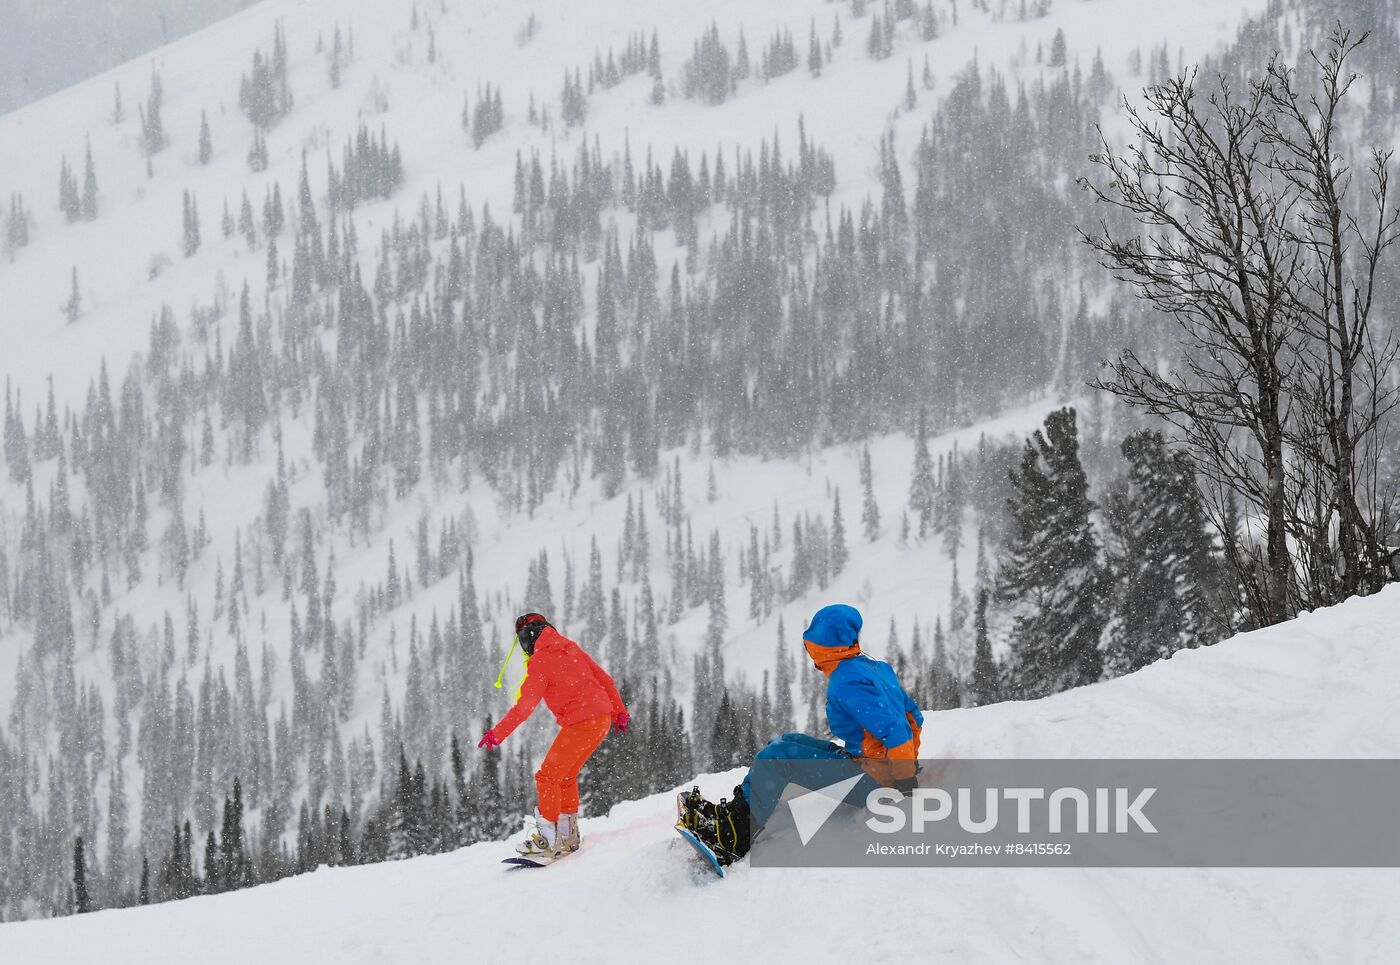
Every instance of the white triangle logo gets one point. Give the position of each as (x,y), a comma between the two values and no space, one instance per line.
(812,810)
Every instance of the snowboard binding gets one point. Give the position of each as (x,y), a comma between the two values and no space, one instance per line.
(722,827)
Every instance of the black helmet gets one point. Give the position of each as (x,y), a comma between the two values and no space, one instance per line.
(528,627)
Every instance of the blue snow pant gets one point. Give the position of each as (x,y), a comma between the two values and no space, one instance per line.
(806,761)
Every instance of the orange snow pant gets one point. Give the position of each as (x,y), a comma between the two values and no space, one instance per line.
(557,779)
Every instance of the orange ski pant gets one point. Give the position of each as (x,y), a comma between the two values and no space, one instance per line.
(557,779)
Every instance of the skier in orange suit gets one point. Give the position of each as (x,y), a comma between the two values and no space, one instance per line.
(585,703)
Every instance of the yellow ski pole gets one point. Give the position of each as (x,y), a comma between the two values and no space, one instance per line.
(509,653)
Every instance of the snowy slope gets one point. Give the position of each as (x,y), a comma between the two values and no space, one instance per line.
(1320,686)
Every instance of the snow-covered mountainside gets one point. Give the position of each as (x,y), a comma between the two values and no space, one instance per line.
(1320,686)
(336,333)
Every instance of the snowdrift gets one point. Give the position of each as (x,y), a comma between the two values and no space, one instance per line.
(1321,686)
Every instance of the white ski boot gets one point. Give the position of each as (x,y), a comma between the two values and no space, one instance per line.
(569,838)
(541,846)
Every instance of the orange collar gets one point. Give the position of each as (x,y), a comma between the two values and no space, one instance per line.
(826,658)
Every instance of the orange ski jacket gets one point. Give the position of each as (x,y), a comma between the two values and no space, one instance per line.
(570,683)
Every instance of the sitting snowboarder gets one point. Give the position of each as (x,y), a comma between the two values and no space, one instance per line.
(876,720)
(585,703)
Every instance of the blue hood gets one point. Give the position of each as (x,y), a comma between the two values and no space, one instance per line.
(837,625)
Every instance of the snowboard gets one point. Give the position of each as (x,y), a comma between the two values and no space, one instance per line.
(702,849)
(526,862)
(717,860)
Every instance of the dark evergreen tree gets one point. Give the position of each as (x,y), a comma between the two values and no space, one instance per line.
(89,204)
(726,736)
(16,226)
(73,307)
(485,117)
(923,490)
(573,104)
(82,901)
(68,200)
(1050,576)
(839,553)
(152,127)
(1167,575)
(206,144)
(257,153)
(985,685)
(875,45)
(234,868)
(334,62)
(191,240)
(213,884)
(928,23)
(870,510)
(782,698)
(706,75)
(263,93)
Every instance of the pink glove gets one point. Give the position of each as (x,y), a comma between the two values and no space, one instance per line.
(620,721)
(489,740)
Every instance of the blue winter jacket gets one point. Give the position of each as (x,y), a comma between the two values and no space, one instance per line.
(864,696)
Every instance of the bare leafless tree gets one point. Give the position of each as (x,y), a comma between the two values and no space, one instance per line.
(1249,238)
(1215,256)
(1342,392)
